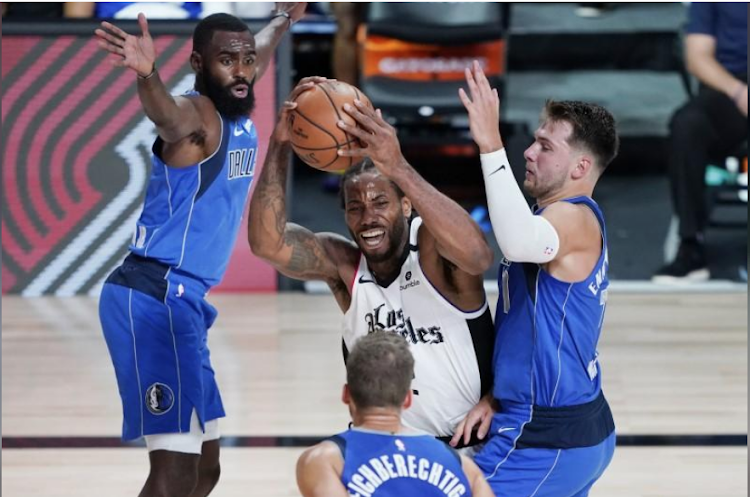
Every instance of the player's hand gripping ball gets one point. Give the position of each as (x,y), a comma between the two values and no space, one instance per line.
(315,137)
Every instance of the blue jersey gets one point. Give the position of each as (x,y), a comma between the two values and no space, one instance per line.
(378,464)
(547,332)
(154,10)
(726,22)
(191,214)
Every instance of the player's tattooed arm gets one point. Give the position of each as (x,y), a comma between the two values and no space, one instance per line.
(293,250)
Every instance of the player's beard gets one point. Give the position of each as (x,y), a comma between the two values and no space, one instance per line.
(227,104)
(538,190)
(395,239)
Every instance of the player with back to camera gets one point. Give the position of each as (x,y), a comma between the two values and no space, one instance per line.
(553,434)
(417,276)
(378,456)
(152,308)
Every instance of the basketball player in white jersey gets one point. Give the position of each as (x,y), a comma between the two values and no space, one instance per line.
(419,276)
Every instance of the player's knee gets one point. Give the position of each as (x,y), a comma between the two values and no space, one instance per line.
(171,474)
(169,484)
(209,475)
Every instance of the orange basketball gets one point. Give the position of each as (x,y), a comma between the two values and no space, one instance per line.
(315,136)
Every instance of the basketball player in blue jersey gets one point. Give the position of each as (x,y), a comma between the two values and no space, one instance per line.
(419,276)
(152,308)
(553,433)
(378,456)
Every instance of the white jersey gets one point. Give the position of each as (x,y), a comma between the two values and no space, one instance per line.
(441,337)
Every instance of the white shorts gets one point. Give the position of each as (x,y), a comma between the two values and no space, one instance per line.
(189,443)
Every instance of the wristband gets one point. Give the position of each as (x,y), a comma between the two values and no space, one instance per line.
(150,75)
(283,13)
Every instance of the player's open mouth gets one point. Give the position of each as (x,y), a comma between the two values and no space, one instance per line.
(240,91)
(372,238)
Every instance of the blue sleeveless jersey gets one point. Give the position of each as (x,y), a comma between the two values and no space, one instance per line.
(191,214)
(380,464)
(108,10)
(547,332)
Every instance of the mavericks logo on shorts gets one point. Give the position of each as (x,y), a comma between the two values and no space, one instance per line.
(159,399)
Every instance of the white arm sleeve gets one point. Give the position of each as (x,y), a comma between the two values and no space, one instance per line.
(522,236)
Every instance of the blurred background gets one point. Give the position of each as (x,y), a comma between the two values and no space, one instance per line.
(74,170)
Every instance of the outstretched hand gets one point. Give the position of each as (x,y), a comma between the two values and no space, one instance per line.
(378,137)
(134,52)
(483,105)
(281,133)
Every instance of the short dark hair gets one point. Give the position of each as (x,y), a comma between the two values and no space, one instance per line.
(363,167)
(204,31)
(379,370)
(594,128)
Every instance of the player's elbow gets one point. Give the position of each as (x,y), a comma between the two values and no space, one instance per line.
(480,260)
(261,246)
(519,251)
(514,252)
(536,242)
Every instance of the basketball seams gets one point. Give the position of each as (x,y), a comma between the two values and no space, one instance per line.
(325,148)
(359,97)
(338,116)
(321,128)
(309,131)
(335,109)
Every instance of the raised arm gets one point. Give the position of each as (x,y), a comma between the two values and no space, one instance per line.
(175,118)
(522,236)
(284,15)
(292,249)
(458,238)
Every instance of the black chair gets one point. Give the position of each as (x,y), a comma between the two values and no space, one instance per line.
(413,56)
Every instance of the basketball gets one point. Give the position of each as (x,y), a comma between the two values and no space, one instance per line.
(315,136)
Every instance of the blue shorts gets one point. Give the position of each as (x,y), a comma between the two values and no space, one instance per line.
(156,326)
(517,463)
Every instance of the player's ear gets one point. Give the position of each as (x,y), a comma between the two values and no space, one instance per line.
(196,62)
(406,207)
(346,397)
(584,165)
(408,400)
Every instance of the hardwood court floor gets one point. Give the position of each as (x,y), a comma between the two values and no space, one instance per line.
(673,364)
(269,472)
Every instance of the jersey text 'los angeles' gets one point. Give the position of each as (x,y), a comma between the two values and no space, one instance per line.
(441,338)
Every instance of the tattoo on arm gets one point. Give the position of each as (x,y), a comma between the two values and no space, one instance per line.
(307,254)
(272,185)
(295,251)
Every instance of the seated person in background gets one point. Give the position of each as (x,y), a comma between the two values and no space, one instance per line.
(712,123)
(379,456)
